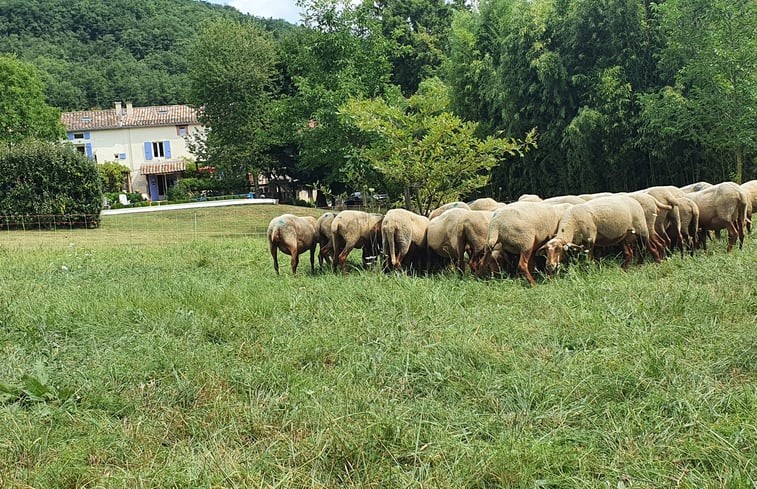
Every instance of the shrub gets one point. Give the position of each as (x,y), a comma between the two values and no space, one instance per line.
(47,184)
(113,176)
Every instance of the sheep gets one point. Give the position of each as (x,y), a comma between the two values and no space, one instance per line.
(292,235)
(689,212)
(444,239)
(651,207)
(520,229)
(722,206)
(474,229)
(597,195)
(607,221)
(751,188)
(695,187)
(529,198)
(355,229)
(403,235)
(324,237)
(484,204)
(451,205)
(564,199)
(667,219)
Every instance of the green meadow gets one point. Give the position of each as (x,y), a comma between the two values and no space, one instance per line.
(161,350)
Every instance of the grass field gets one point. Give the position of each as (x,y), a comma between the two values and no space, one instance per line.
(163,351)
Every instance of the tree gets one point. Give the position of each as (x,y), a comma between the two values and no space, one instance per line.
(233,74)
(712,54)
(23,111)
(430,153)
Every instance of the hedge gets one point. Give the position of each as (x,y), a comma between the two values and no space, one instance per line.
(48,185)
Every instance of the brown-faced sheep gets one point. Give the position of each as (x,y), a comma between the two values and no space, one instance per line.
(607,221)
(451,205)
(520,229)
(485,204)
(722,206)
(652,208)
(355,229)
(404,238)
(292,235)
(324,237)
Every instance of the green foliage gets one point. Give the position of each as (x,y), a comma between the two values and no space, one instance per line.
(35,388)
(113,175)
(48,184)
(234,83)
(23,111)
(427,151)
(92,53)
(713,100)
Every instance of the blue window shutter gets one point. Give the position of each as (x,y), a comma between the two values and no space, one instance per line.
(148,150)
(88,148)
(86,135)
(167,148)
(122,156)
(70,136)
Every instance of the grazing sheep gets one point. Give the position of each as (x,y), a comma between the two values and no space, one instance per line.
(598,195)
(751,188)
(608,221)
(485,204)
(695,187)
(722,206)
(292,235)
(451,205)
(355,229)
(474,229)
(444,238)
(667,219)
(520,229)
(324,237)
(564,199)
(689,212)
(652,207)
(404,236)
(529,198)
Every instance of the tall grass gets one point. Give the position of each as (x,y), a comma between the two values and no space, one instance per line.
(190,364)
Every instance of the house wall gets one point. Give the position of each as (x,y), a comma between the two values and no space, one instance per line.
(127,147)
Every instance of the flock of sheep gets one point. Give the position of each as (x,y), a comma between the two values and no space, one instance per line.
(499,237)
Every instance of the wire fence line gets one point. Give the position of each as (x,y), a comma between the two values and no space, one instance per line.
(131,229)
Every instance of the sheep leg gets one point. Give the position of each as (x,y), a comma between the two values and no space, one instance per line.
(295,258)
(342,258)
(733,235)
(628,252)
(312,258)
(524,264)
(275,255)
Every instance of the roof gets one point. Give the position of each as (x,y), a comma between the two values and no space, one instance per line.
(162,167)
(156,115)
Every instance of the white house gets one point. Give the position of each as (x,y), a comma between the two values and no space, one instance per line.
(151,141)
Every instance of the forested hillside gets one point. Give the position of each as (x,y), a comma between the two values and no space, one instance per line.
(90,53)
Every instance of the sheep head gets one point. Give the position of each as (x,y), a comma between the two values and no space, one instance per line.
(555,250)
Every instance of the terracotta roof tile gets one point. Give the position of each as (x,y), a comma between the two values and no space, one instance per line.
(163,167)
(160,115)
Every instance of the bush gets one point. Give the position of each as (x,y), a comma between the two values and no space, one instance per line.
(115,203)
(47,184)
(113,176)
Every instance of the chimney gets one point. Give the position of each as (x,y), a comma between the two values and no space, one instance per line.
(129,109)
(118,108)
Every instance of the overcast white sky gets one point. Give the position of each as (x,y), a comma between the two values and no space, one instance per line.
(277,9)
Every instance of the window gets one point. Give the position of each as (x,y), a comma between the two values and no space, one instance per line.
(78,135)
(181,130)
(158,151)
(81,149)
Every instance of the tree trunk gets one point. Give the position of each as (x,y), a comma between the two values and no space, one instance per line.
(739,163)
(408,198)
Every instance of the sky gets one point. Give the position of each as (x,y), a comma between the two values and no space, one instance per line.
(277,9)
